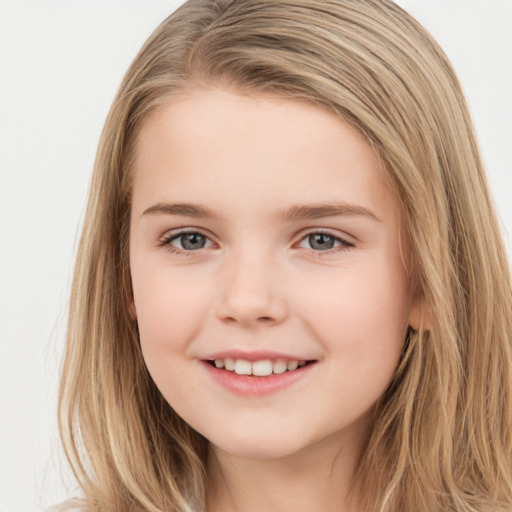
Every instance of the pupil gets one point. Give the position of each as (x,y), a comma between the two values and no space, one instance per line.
(321,242)
(192,241)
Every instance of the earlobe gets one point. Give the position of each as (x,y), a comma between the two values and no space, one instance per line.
(418,315)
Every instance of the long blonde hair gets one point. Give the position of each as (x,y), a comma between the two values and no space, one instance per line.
(442,436)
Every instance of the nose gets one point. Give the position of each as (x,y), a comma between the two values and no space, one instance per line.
(251,293)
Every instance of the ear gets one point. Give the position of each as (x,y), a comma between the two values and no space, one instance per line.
(419,315)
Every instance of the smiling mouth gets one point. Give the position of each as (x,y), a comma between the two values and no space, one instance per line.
(262,368)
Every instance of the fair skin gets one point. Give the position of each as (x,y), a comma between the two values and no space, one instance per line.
(290,256)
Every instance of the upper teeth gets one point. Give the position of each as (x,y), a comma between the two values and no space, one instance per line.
(258,368)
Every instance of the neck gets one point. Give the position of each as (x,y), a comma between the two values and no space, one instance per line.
(317,478)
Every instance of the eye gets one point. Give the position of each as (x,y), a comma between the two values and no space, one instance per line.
(323,242)
(186,241)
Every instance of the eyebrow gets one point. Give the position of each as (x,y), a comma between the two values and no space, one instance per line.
(297,212)
(319,211)
(184,209)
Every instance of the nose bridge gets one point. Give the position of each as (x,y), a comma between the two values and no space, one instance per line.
(251,293)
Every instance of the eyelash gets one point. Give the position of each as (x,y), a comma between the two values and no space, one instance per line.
(170,237)
(344,245)
(166,241)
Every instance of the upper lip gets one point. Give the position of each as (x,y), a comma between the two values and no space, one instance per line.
(257,355)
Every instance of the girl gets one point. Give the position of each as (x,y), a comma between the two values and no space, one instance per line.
(291,292)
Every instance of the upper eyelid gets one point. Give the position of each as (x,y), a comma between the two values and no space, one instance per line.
(344,244)
(165,241)
(345,237)
(170,235)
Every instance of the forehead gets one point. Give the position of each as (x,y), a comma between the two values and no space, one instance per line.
(212,142)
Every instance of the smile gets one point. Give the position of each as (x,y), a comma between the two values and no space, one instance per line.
(256,374)
(261,368)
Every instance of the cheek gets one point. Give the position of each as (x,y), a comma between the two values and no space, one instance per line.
(360,319)
(169,308)
(360,312)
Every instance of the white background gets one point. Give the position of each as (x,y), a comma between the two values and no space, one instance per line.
(60,64)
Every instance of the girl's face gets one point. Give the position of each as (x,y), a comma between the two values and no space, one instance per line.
(265,237)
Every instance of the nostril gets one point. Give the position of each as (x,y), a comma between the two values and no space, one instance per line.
(260,319)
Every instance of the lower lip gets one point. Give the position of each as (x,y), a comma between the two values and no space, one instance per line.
(256,386)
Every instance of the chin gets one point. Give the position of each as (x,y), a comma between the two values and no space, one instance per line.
(256,446)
